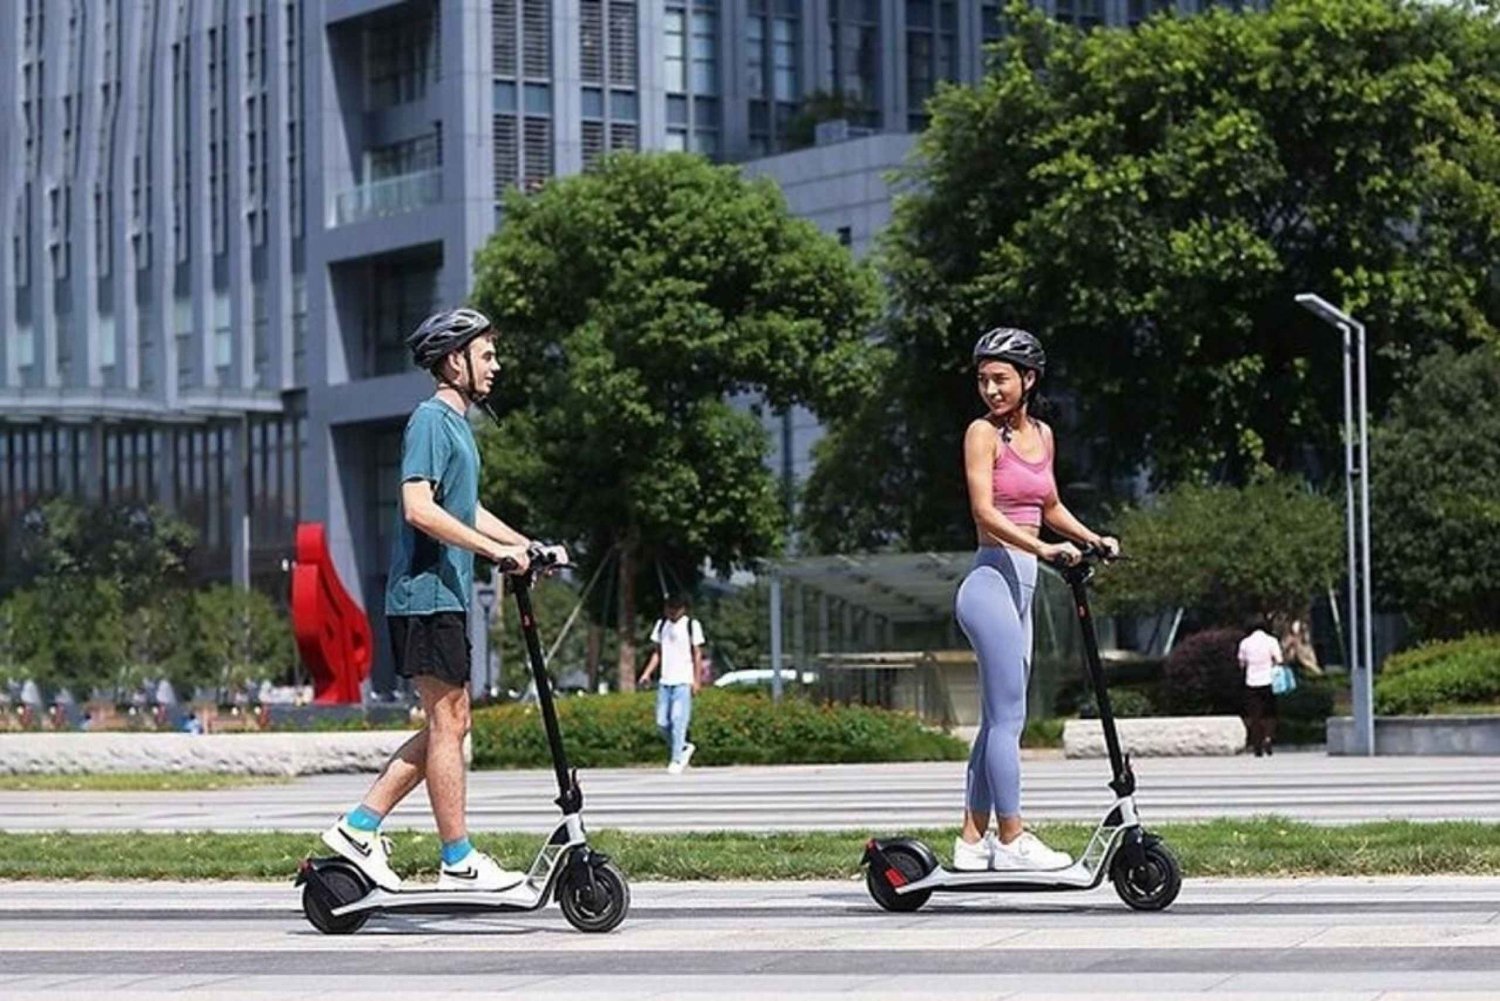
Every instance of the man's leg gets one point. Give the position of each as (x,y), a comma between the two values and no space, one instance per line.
(447,709)
(682,711)
(664,713)
(402,773)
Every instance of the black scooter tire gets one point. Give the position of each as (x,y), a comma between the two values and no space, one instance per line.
(1152,886)
(910,865)
(602,909)
(329,889)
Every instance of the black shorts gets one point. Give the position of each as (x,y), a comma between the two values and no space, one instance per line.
(435,645)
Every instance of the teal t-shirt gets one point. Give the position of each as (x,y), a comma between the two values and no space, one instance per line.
(426,575)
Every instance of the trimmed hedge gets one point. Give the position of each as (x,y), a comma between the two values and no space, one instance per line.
(1418,681)
(729,728)
(1202,675)
(1481,646)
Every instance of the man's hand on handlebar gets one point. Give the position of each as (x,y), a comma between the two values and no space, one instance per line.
(510,559)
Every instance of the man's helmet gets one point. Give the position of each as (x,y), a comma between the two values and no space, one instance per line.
(1019,347)
(443,333)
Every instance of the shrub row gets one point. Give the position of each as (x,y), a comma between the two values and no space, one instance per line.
(1458,671)
(1475,647)
(729,728)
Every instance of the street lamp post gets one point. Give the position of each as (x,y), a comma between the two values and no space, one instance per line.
(1357,531)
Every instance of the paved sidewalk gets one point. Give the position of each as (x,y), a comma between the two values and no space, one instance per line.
(1321,939)
(1306,786)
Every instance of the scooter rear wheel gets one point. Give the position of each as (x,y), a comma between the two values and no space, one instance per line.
(910,865)
(334,887)
(599,908)
(1152,885)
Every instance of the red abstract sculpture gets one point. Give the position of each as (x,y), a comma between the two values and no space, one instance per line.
(333,634)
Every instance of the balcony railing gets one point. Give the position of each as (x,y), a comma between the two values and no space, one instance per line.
(391,196)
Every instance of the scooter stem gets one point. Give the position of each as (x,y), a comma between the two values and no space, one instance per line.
(569,797)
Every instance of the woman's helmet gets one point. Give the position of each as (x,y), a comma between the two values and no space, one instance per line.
(1019,347)
(443,333)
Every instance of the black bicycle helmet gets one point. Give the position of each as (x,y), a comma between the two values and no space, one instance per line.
(443,333)
(1019,347)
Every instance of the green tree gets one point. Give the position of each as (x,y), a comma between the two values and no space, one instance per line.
(1229,553)
(142,548)
(634,301)
(1434,506)
(1150,201)
(65,632)
(236,636)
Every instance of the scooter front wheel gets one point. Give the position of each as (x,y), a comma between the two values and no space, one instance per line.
(1154,883)
(594,905)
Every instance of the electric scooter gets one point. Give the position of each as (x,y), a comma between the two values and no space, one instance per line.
(903,873)
(338,898)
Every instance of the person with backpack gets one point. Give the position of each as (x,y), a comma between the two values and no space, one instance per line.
(678,639)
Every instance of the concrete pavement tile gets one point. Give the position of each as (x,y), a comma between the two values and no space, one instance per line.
(1409,936)
(1480,984)
(1084,937)
(975,937)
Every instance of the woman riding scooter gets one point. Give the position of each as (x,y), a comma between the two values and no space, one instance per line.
(1008,456)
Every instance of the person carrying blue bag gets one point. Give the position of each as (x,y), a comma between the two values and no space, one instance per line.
(1266,676)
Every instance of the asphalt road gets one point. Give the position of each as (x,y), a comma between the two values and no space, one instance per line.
(1309,786)
(1319,939)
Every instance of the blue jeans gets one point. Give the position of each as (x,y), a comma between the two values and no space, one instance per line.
(674,707)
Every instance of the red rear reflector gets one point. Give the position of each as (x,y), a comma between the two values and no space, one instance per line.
(893,876)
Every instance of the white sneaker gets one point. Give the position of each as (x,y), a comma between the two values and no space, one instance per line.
(687,753)
(975,857)
(368,850)
(1027,852)
(675,768)
(476,871)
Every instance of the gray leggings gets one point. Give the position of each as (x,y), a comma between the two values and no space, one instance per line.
(994,610)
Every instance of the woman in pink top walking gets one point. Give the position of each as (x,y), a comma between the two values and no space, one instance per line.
(1012,494)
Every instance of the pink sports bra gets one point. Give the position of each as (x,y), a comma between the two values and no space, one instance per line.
(1021,487)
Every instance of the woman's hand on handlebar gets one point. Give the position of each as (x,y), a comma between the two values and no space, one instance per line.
(1063,553)
(1108,546)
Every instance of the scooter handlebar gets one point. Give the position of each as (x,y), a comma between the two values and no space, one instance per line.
(541,557)
(1090,555)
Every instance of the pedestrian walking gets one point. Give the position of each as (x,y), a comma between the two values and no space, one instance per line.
(1259,656)
(678,650)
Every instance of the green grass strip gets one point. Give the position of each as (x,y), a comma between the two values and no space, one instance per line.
(1266,846)
(133,781)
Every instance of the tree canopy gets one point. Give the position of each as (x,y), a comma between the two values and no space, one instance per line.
(634,302)
(1150,201)
(1434,505)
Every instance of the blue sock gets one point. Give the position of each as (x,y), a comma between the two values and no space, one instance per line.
(455,850)
(362,818)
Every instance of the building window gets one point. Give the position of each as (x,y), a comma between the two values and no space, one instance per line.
(772,71)
(1081,13)
(675,51)
(400,60)
(400,296)
(691,64)
(521,122)
(854,37)
(931,46)
(1137,11)
(409,156)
